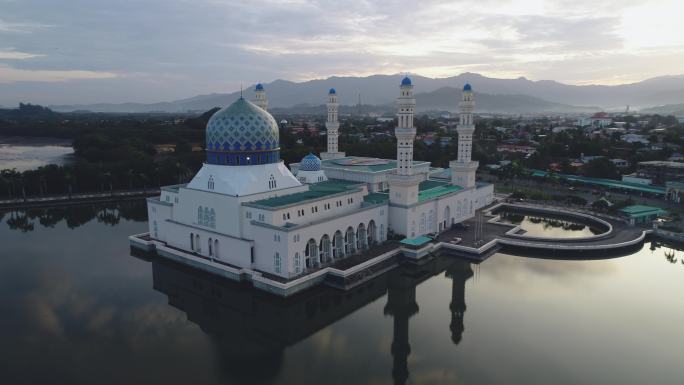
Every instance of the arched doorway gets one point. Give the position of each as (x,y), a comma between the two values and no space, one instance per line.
(325,249)
(338,245)
(371,233)
(362,241)
(311,254)
(297,263)
(349,241)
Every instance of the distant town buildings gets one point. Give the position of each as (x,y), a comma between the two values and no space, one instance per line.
(516,148)
(660,171)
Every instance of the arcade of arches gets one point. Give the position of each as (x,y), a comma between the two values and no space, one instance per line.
(341,244)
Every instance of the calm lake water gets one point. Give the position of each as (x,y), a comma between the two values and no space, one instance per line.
(77,308)
(549,227)
(30,153)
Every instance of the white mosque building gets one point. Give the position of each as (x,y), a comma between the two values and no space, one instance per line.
(246,216)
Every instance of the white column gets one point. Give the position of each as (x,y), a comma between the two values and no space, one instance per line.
(332,125)
(466,127)
(463,169)
(403,184)
(405,132)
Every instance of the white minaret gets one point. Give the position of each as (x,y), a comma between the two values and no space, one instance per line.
(260,98)
(463,169)
(332,125)
(404,183)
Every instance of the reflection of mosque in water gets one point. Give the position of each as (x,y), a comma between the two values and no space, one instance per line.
(250,345)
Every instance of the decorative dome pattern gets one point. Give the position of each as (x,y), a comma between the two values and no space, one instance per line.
(310,163)
(332,91)
(467,87)
(259,87)
(406,81)
(242,134)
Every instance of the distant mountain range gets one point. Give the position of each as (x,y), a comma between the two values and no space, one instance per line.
(668,109)
(493,95)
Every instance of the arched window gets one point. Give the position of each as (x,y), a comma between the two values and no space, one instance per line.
(271,182)
(447,216)
(206,216)
(210,183)
(431,221)
(212,218)
(192,241)
(422,223)
(216,248)
(197,243)
(200,216)
(210,247)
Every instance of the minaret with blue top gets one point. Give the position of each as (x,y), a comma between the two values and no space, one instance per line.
(403,182)
(260,97)
(332,126)
(464,168)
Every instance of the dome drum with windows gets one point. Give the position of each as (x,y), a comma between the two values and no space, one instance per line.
(310,163)
(242,134)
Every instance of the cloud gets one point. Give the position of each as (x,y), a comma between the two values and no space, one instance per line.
(11,54)
(10,75)
(214,45)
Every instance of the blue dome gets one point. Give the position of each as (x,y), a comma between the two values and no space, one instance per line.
(467,87)
(406,81)
(310,163)
(242,134)
(259,87)
(332,91)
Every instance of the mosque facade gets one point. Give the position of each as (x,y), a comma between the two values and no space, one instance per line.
(247,216)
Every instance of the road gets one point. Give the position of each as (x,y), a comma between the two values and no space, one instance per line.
(76,198)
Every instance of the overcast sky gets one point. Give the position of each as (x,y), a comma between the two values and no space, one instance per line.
(86,51)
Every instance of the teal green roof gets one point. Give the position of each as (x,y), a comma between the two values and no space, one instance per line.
(675,184)
(432,189)
(637,211)
(316,191)
(376,197)
(605,182)
(417,241)
(391,165)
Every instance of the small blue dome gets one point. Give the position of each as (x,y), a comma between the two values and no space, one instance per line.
(332,91)
(467,87)
(259,87)
(310,163)
(406,81)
